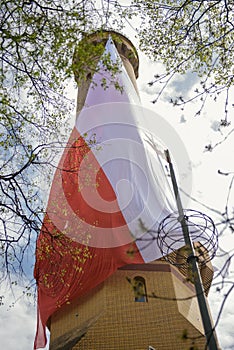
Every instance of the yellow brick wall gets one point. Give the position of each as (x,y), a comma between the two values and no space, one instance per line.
(117,322)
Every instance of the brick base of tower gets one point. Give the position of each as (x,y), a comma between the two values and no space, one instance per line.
(109,318)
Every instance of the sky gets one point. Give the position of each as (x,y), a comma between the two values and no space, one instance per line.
(209,187)
(18,321)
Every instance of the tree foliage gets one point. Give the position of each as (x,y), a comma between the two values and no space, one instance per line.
(194,36)
(37,44)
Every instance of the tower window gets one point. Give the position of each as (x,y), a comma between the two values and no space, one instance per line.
(139,288)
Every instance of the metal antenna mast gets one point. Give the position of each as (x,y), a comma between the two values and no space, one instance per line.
(192,261)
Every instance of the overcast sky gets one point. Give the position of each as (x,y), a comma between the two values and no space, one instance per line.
(209,187)
(17,324)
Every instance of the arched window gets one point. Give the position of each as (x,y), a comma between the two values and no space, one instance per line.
(139,288)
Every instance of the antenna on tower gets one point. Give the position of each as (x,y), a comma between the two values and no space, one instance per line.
(192,257)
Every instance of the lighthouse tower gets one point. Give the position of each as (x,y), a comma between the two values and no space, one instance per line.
(141,306)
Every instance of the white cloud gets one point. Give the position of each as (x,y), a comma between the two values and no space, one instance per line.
(183,84)
(226,322)
(18,322)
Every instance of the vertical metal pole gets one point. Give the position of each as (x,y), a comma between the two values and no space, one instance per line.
(192,261)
